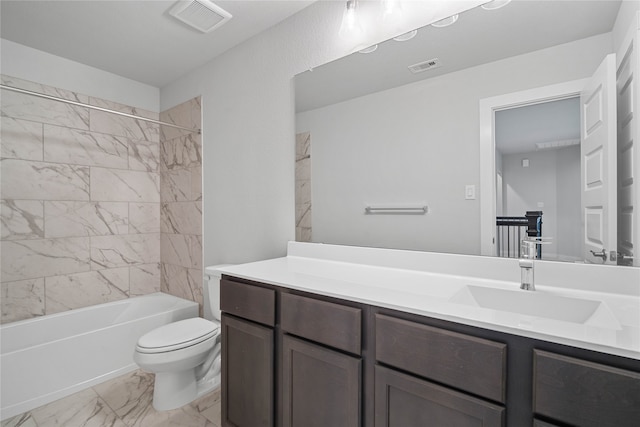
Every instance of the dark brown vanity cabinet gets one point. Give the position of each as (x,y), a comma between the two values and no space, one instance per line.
(449,369)
(584,393)
(248,361)
(403,400)
(320,387)
(294,359)
(321,363)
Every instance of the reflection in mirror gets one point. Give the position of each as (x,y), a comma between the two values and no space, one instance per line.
(538,169)
(377,134)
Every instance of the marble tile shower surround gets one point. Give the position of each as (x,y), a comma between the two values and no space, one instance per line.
(80,203)
(303,187)
(181,203)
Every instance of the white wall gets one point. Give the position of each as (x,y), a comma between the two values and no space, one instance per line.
(569,236)
(627,14)
(41,67)
(550,184)
(360,150)
(248,125)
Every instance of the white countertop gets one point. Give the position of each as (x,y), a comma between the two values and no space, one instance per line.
(369,276)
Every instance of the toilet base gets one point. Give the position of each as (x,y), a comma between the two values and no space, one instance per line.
(175,389)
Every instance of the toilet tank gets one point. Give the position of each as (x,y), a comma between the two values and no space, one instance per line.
(212,291)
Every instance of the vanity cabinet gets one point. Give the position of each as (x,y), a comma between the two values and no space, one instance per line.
(321,363)
(320,387)
(295,359)
(248,354)
(436,356)
(583,393)
(403,400)
(471,364)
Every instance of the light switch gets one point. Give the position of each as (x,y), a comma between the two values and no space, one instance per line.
(470,192)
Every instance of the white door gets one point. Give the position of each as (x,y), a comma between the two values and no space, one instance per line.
(628,152)
(598,164)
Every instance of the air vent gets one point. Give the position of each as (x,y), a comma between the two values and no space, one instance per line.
(557,144)
(425,65)
(202,15)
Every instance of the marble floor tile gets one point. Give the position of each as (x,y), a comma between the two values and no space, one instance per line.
(128,395)
(210,407)
(84,409)
(23,420)
(181,417)
(125,401)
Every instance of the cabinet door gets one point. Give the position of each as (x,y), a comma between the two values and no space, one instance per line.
(402,400)
(247,374)
(320,387)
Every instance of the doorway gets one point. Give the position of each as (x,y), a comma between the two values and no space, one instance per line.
(537,150)
(490,111)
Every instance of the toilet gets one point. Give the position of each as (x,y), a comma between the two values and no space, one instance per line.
(185,355)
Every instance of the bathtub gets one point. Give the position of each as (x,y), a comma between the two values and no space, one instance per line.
(49,357)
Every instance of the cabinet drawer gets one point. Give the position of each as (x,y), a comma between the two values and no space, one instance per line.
(324,322)
(468,363)
(584,393)
(248,301)
(402,401)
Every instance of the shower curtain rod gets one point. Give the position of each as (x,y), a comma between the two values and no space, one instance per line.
(93,107)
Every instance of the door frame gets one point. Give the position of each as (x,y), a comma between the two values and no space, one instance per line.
(487,110)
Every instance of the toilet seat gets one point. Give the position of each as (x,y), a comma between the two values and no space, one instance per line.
(177,335)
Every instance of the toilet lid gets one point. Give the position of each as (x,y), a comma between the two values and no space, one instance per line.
(176,335)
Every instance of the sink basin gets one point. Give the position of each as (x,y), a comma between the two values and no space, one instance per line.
(530,303)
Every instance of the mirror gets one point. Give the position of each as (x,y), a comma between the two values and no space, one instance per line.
(389,158)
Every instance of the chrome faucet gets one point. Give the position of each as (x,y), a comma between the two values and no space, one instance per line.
(526,272)
(528,249)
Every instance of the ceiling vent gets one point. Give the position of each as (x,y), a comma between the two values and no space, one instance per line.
(425,65)
(557,144)
(202,15)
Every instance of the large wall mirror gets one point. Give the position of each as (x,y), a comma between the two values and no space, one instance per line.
(394,158)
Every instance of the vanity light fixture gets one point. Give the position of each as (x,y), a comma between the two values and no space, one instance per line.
(391,10)
(369,49)
(495,4)
(406,36)
(350,27)
(445,22)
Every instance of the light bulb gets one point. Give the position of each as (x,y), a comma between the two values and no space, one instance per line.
(445,22)
(391,9)
(495,4)
(350,28)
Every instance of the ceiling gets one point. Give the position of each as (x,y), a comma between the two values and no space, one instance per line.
(478,37)
(518,130)
(137,39)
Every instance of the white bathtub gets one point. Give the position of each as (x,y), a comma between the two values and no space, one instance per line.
(49,357)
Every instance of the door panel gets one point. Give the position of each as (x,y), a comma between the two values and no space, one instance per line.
(320,387)
(598,165)
(402,400)
(247,374)
(628,157)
